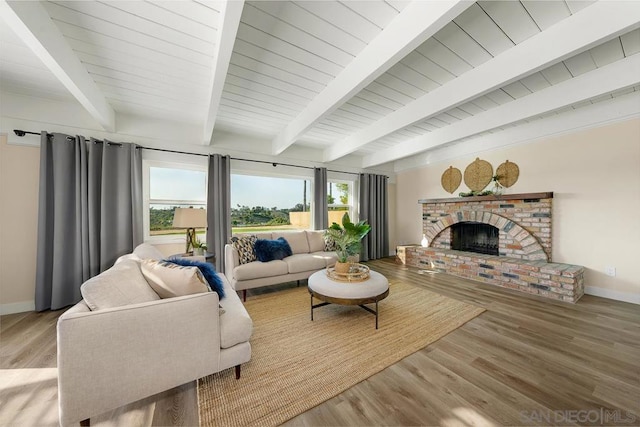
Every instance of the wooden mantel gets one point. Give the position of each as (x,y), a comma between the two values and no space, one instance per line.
(492,197)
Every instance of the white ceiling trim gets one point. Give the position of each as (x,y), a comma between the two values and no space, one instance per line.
(585,29)
(415,24)
(31,22)
(229,20)
(612,77)
(602,113)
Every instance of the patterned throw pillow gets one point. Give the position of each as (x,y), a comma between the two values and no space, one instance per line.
(245,245)
(329,244)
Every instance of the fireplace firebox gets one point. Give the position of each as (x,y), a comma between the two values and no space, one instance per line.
(475,237)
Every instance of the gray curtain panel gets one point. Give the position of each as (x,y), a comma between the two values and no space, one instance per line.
(374,208)
(90,213)
(320,209)
(219,207)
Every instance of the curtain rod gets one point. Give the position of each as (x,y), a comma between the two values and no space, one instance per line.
(21,133)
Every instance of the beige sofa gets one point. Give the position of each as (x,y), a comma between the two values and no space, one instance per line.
(308,257)
(110,357)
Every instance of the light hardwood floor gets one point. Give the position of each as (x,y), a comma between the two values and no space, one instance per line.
(522,361)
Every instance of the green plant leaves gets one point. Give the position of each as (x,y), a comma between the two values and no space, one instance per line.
(348,237)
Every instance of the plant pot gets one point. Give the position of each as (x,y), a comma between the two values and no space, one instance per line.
(342,267)
(198,251)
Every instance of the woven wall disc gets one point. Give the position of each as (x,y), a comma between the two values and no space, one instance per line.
(478,174)
(451,179)
(508,173)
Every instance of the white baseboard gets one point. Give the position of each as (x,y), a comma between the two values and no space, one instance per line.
(17,307)
(616,295)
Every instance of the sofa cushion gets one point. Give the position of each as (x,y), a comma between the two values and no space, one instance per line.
(316,240)
(235,324)
(171,280)
(298,263)
(268,250)
(258,270)
(329,258)
(264,235)
(147,251)
(122,284)
(297,240)
(245,245)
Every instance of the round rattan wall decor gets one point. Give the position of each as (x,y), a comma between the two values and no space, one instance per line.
(478,174)
(508,173)
(451,179)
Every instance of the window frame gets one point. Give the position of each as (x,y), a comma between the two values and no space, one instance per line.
(169,161)
(352,208)
(283,172)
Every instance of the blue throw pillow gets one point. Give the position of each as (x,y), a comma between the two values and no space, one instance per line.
(268,250)
(207,270)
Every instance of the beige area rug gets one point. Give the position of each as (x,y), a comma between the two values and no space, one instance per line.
(297,364)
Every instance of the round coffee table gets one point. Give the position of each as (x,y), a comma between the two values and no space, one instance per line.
(372,290)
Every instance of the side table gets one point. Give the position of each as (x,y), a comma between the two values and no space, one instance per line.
(401,253)
(208,256)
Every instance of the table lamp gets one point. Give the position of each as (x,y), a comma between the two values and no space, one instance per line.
(190,219)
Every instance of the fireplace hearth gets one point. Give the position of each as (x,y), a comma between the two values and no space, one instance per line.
(512,234)
(475,237)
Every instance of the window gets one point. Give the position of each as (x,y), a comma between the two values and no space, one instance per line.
(167,186)
(265,203)
(340,196)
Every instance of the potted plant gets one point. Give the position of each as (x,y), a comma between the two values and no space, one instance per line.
(199,247)
(498,188)
(347,239)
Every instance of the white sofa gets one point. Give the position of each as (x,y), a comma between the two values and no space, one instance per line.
(308,257)
(114,356)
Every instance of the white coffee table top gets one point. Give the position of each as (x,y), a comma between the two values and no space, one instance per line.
(376,285)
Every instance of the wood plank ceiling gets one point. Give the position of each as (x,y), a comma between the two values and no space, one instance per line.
(297,72)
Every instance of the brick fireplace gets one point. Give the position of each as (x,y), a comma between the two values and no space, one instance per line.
(523,223)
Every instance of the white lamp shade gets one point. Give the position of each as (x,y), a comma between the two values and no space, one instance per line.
(190,218)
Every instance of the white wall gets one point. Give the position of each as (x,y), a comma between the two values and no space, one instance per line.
(19,176)
(595,177)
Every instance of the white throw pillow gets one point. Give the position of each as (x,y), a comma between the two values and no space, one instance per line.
(316,240)
(122,284)
(171,280)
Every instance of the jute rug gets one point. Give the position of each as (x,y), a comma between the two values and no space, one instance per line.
(297,364)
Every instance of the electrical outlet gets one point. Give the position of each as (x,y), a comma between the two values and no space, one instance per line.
(610,271)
